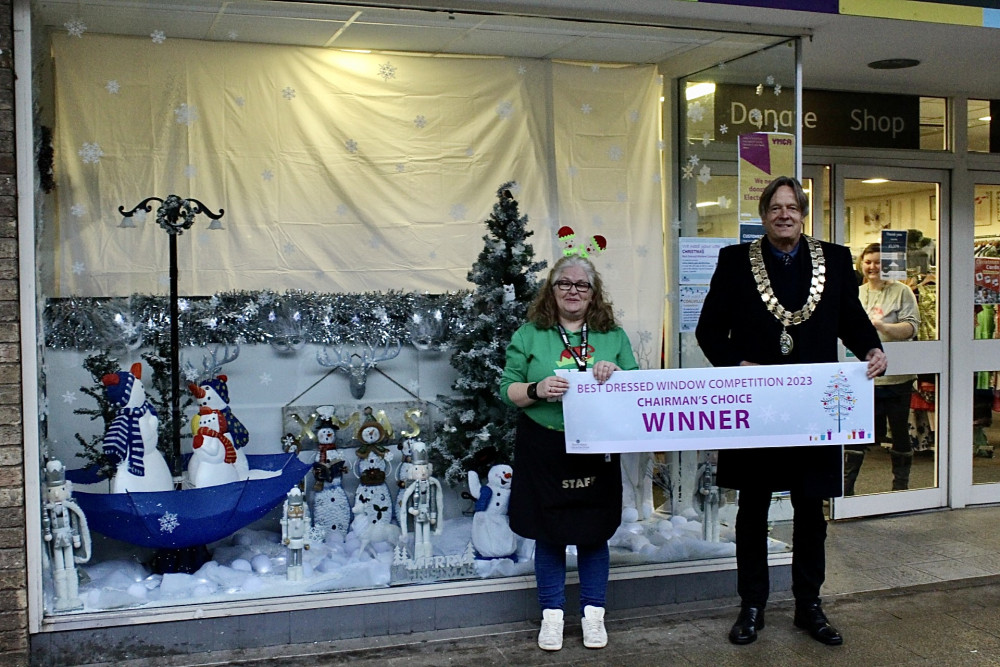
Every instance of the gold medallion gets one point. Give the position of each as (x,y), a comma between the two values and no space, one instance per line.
(786,318)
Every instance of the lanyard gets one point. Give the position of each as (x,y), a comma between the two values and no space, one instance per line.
(581,362)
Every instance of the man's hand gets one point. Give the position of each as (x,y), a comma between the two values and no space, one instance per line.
(877,363)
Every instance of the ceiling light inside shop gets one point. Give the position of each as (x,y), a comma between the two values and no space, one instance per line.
(703,204)
(986,119)
(874,181)
(696,90)
(894,63)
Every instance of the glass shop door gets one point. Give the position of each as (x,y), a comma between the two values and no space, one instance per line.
(904,211)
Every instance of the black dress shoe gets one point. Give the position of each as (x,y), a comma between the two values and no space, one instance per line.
(811,617)
(750,620)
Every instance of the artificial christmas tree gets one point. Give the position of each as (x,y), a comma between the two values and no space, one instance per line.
(478,430)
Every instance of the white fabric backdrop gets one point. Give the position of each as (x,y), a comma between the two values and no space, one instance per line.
(346,172)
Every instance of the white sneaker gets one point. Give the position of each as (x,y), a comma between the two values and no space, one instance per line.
(594,634)
(551,635)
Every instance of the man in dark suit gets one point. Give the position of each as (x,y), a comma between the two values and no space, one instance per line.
(784,299)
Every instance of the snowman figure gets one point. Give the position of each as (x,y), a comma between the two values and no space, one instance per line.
(331,506)
(214,394)
(213,461)
(491,533)
(130,441)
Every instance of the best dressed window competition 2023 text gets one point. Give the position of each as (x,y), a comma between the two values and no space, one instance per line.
(719,408)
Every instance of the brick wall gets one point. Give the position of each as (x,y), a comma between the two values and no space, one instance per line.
(13,564)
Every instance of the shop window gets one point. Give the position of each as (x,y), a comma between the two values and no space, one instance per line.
(276,251)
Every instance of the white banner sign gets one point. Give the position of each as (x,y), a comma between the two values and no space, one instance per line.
(719,408)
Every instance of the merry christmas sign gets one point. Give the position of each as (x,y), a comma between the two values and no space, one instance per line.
(719,408)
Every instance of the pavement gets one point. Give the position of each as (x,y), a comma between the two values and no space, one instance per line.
(918,589)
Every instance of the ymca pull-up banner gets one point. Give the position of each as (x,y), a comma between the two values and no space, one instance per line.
(719,408)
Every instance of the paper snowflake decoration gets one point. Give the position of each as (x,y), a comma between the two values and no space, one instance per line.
(183,305)
(420,122)
(113,87)
(78,210)
(616,153)
(522,70)
(657,177)
(458,212)
(469,152)
(573,170)
(400,167)
(232,35)
(694,160)
(90,153)
(78,268)
(190,171)
(723,129)
(342,210)
(190,373)
(69,398)
(705,139)
(505,109)
(586,109)
(756,117)
(595,68)
(633,116)
(386,71)
(265,379)
(351,145)
(267,175)
(186,114)
(661,145)
(240,101)
(687,172)
(777,89)
(705,174)
(769,80)
(158,36)
(622,197)
(288,93)
(168,522)
(75,27)
(695,112)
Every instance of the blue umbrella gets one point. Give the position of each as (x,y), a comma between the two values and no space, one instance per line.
(191,517)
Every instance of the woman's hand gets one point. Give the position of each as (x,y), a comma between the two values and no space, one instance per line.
(602,370)
(553,387)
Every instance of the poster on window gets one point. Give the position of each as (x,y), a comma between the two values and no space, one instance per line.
(763,156)
(987,280)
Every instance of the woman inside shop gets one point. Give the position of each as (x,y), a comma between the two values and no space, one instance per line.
(559,499)
(892,309)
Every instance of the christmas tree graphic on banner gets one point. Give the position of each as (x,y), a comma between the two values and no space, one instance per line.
(838,399)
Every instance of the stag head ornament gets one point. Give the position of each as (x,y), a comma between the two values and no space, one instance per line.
(357,364)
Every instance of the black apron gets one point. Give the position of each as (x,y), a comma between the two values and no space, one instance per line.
(558,497)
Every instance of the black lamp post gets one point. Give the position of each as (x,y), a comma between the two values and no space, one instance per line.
(174,215)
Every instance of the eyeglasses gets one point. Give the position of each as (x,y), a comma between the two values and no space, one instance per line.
(565,285)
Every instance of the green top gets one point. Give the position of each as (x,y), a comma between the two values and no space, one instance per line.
(533,355)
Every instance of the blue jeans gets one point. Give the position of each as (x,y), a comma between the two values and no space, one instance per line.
(550,574)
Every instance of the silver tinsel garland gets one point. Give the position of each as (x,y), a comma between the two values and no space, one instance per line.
(284,320)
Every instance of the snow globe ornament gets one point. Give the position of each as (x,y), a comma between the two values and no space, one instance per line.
(428,325)
(131,439)
(491,533)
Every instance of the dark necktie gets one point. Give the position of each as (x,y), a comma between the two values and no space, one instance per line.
(786,258)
